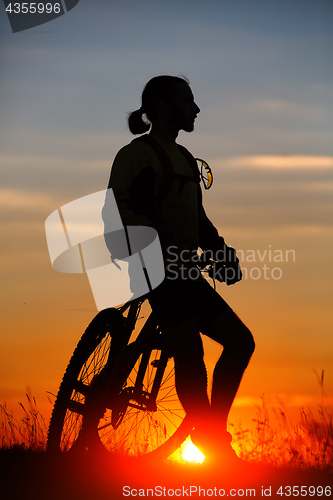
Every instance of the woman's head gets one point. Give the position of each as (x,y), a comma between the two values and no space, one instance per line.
(159,88)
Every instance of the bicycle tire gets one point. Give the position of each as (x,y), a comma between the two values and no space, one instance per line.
(95,333)
(87,362)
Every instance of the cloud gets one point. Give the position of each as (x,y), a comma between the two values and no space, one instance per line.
(60,174)
(282,400)
(272,192)
(292,110)
(278,162)
(16,199)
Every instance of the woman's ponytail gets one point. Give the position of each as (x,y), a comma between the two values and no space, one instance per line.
(136,123)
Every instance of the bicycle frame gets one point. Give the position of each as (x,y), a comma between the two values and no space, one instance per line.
(120,363)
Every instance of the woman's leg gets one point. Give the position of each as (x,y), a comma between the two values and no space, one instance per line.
(238,346)
(185,343)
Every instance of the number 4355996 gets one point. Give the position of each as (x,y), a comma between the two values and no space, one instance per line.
(33,8)
(303,491)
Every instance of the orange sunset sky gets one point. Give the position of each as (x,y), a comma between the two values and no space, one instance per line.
(261,72)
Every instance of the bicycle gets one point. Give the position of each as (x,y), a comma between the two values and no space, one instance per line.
(118,392)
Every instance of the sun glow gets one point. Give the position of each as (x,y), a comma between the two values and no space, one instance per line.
(191,453)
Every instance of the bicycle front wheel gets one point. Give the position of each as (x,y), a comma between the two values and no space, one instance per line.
(87,362)
(121,421)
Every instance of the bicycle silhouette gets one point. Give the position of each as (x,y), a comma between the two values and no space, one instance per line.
(118,392)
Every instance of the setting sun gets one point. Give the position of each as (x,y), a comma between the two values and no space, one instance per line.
(191,453)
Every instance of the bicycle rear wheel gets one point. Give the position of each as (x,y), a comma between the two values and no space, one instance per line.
(122,424)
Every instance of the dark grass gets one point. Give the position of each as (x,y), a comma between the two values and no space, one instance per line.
(36,475)
(276,453)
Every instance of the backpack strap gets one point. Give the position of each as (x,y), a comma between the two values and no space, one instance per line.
(192,161)
(169,174)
